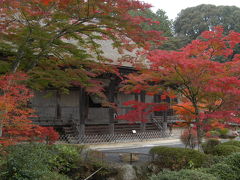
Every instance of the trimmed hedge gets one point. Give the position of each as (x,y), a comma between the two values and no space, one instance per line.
(177,158)
(212,160)
(224,150)
(184,174)
(216,148)
(232,142)
(224,171)
(233,160)
(228,167)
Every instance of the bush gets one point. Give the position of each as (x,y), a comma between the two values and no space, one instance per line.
(233,160)
(26,161)
(65,157)
(226,168)
(45,162)
(212,160)
(209,145)
(224,171)
(189,138)
(185,174)
(224,150)
(77,162)
(232,142)
(32,161)
(177,158)
(212,134)
(223,132)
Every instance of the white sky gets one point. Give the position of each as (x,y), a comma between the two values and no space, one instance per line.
(173,7)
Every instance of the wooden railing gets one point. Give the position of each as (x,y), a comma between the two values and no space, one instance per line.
(113,138)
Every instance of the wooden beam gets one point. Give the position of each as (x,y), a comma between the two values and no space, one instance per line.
(58,107)
(114,81)
(83,110)
(136,97)
(143,99)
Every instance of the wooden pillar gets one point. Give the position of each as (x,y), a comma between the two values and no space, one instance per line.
(83,110)
(111,121)
(111,95)
(136,97)
(143,99)
(165,115)
(165,121)
(58,107)
(155,100)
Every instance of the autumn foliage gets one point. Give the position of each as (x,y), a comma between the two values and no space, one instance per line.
(58,42)
(51,41)
(140,110)
(209,90)
(185,111)
(15,113)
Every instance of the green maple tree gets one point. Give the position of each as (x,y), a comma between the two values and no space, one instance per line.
(57,42)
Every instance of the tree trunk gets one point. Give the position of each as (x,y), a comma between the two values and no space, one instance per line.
(199,130)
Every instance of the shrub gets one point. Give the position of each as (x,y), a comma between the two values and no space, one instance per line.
(77,162)
(212,160)
(189,138)
(212,134)
(209,145)
(232,142)
(223,132)
(184,174)
(65,157)
(48,135)
(177,158)
(26,161)
(224,150)
(224,171)
(45,162)
(233,160)
(32,161)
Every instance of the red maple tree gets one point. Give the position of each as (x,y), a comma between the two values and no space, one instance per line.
(15,123)
(211,88)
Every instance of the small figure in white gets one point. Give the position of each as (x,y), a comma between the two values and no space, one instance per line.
(115,115)
(235,133)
